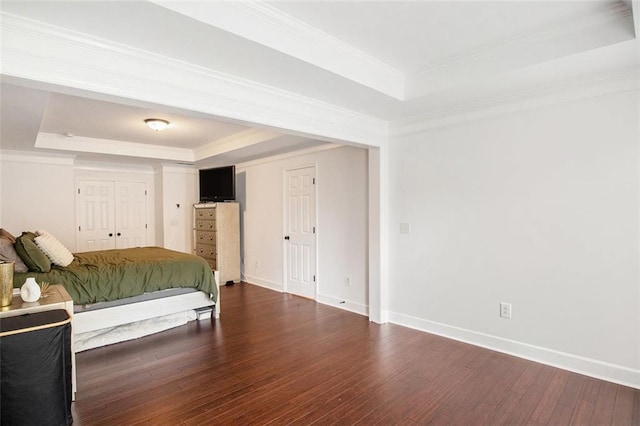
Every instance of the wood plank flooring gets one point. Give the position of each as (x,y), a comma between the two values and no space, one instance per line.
(277,359)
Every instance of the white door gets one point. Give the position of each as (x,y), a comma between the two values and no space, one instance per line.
(111,215)
(95,216)
(300,232)
(131,214)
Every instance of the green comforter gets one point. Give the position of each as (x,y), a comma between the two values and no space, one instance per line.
(102,276)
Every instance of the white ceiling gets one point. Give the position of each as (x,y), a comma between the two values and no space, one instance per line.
(395,61)
(412,36)
(106,120)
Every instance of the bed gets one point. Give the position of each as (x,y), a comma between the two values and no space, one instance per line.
(144,289)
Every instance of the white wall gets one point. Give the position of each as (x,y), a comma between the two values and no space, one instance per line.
(179,192)
(536,208)
(158,207)
(37,193)
(341,223)
(1,180)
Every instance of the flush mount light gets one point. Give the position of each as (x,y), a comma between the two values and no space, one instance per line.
(156,124)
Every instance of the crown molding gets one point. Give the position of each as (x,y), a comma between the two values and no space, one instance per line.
(293,154)
(234,142)
(112,147)
(36,157)
(518,51)
(87,169)
(51,55)
(182,169)
(131,149)
(264,24)
(613,11)
(35,51)
(617,81)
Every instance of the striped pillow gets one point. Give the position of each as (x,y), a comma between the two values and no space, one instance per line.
(53,249)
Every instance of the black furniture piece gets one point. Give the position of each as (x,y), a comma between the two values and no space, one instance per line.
(35,369)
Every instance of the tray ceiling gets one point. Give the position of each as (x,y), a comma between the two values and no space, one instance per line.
(388,63)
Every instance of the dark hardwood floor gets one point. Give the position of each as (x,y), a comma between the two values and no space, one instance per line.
(278,359)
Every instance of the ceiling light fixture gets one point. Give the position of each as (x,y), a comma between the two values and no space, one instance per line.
(157,124)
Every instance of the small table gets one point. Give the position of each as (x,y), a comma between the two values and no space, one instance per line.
(56,298)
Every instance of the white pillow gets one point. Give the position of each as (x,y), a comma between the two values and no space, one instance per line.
(53,249)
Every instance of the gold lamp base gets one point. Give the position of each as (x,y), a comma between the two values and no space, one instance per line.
(6,283)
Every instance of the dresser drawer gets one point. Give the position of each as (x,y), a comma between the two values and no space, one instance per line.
(212,264)
(206,237)
(205,225)
(206,251)
(208,213)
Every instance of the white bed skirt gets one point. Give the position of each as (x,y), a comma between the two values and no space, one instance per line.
(125,314)
(130,331)
(98,327)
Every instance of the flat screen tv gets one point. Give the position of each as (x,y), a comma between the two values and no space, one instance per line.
(218,184)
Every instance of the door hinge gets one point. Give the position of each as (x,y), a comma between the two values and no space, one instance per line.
(78,191)
(79,228)
(314,229)
(145,192)
(314,181)
(314,278)
(145,226)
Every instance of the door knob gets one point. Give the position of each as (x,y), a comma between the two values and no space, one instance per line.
(118,234)
(110,234)
(286,237)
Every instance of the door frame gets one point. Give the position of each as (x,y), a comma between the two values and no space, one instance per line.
(284,227)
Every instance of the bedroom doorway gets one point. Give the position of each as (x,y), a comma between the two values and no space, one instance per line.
(300,232)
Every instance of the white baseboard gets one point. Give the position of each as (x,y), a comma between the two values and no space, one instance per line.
(347,305)
(272,285)
(589,367)
(324,299)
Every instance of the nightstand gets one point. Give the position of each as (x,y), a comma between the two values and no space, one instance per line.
(57,298)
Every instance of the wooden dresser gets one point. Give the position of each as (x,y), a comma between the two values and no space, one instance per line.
(217,238)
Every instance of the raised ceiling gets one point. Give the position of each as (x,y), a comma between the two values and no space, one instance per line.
(416,36)
(383,66)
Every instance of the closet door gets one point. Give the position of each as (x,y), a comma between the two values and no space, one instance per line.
(95,209)
(131,214)
(111,215)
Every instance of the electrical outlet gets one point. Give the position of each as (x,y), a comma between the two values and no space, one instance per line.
(505,310)
(347,280)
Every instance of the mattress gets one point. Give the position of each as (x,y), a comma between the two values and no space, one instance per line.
(133,299)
